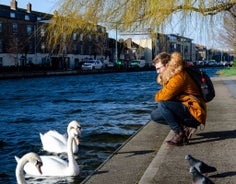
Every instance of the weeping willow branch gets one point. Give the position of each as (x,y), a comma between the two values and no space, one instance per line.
(206,11)
(84,15)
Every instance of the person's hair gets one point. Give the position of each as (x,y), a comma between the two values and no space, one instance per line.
(162,57)
(175,65)
(176,59)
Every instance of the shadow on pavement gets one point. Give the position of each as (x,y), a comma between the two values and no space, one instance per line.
(134,153)
(223,175)
(213,136)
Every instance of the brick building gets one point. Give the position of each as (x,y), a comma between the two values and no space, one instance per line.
(23,40)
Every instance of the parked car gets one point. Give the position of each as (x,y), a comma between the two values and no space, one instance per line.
(211,63)
(109,64)
(92,65)
(137,63)
(228,63)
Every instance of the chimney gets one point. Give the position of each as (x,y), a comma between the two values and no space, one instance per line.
(29,8)
(13,5)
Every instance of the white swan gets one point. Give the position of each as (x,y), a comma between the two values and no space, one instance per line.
(32,158)
(55,166)
(53,141)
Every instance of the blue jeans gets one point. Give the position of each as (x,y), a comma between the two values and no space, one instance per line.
(174,114)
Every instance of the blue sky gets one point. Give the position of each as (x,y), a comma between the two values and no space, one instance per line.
(46,6)
(200,37)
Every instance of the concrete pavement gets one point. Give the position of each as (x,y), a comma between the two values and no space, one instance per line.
(146,159)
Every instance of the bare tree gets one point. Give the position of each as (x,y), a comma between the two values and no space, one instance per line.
(227,33)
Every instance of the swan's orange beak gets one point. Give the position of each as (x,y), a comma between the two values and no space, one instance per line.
(76,140)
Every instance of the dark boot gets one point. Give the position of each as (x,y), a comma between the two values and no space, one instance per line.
(189,131)
(178,139)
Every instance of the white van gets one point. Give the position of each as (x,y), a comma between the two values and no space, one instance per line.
(92,65)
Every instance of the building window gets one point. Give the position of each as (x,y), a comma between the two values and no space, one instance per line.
(12,15)
(74,48)
(186,49)
(104,40)
(54,32)
(14,27)
(29,59)
(171,37)
(89,37)
(74,36)
(178,47)
(1,45)
(64,36)
(27,17)
(0,27)
(81,37)
(42,31)
(90,50)
(172,47)
(30,47)
(43,46)
(29,29)
(81,49)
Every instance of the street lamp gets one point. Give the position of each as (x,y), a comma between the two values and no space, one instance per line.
(116,52)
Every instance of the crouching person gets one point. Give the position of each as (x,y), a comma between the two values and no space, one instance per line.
(179,102)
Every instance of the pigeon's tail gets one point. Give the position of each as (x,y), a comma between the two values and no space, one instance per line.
(208,169)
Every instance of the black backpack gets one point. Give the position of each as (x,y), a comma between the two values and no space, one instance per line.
(204,83)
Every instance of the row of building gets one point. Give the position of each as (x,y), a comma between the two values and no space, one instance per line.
(23,43)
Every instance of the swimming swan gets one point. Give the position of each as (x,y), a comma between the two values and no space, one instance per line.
(32,158)
(55,166)
(53,141)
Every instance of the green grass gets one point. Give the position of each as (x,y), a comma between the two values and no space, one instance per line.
(227,72)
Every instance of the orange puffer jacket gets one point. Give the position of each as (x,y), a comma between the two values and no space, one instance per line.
(180,87)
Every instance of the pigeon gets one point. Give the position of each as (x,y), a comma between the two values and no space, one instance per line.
(202,167)
(198,178)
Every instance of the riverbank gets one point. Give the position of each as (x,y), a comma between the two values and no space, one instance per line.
(146,159)
(47,73)
(34,74)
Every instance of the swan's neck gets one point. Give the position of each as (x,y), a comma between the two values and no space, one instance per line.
(70,151)
(19,172)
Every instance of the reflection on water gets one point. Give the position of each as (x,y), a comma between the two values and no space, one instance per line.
(109,107)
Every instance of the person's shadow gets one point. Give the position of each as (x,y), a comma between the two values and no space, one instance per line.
(135,153)
(213,136)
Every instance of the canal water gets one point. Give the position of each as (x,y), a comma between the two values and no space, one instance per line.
(110,108)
